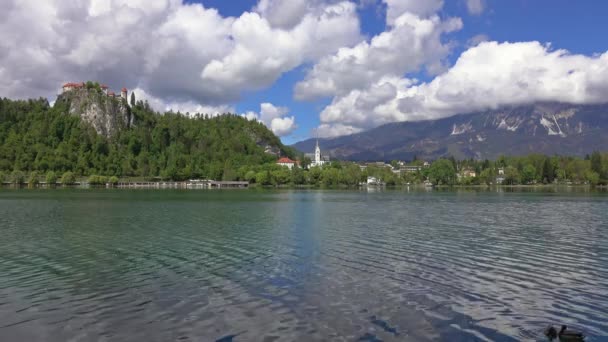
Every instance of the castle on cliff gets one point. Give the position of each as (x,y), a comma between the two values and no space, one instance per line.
(75,86)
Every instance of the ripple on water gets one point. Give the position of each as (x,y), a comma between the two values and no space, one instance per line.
(300,266)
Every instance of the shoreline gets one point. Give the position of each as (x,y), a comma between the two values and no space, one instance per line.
(242,186)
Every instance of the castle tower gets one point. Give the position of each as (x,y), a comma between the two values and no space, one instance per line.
(123,93)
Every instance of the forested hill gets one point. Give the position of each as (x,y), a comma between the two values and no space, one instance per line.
(37,137)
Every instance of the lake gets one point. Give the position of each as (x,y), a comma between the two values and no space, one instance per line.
(121,265)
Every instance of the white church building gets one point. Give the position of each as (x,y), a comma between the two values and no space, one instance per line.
(316,158)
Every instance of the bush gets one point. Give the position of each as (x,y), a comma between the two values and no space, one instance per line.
(33,180)
(17,177)
(113,180)
(68,178)
(2,177)
(97,180)
(51,178)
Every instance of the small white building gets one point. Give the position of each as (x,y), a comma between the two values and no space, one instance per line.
(286,162)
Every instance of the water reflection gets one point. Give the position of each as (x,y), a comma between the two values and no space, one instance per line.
(301,265)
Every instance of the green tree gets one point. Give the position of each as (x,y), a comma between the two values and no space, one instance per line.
(528,174)
(68,178)
(487,176)
(442,172)
(132,99)
(33,179)
(596,163)
(592,177)
(17,177)
(548,171)
(512,176)
(51,178)
(2,178)
(113,180)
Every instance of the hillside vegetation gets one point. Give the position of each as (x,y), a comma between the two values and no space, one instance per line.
(37,137)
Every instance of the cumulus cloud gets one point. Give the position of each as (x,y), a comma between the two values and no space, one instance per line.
(187,107)
(411,43)
(424,8)
(177,51)
(488,75)
(476,7)
(274,118)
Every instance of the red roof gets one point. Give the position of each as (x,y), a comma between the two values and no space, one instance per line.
(124,89)
(103,86)
(72,84)
(111,93)
(285,160)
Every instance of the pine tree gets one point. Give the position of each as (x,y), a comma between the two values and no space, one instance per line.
(132,99)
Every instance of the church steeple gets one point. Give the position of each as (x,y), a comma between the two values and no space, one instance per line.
(317,153)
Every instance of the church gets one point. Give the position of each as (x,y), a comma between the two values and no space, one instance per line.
(316,158)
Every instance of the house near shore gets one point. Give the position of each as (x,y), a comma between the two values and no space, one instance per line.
(467,173)
(287,162)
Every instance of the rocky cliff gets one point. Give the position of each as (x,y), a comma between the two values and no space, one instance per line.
(106,114)
(548,128)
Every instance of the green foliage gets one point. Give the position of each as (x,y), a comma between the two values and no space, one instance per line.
(2,177)
(528,174)
(37,137)
(17,177)
(68,178)
(512,176)
(487,176)
(442,172)
(132,99)
(51,177)
(97,180)
(113,180)
(33,179)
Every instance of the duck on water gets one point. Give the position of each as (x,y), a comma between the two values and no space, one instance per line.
(564,335)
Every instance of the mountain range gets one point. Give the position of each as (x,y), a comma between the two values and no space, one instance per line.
(547,128)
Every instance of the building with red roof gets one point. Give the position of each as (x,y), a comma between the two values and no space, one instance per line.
(286,162)
(73,86)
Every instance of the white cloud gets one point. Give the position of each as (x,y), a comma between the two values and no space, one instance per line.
(190,107)
(274,118)
(488,75)
(422,8)
(476,7)
(413,42)
(262,53)
(177,52)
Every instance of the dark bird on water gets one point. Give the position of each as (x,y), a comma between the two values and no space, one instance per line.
(564,335)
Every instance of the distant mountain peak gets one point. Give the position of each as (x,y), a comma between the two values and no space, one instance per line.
(550,128)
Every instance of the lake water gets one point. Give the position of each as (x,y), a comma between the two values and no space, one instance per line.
(104,265)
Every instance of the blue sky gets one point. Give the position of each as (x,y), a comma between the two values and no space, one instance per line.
(312,67)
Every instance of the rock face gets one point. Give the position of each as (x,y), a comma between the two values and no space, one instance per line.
(548,128)
(106,114)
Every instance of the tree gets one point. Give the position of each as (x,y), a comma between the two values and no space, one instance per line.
(17,177)
(113,180)
(33,179)
(442,172)
(487,176)
(596,163)
(51,178)
(512,176)
(528,174)
(548,171)
(132,99)
(68,178)
(2,178)
(592,177)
